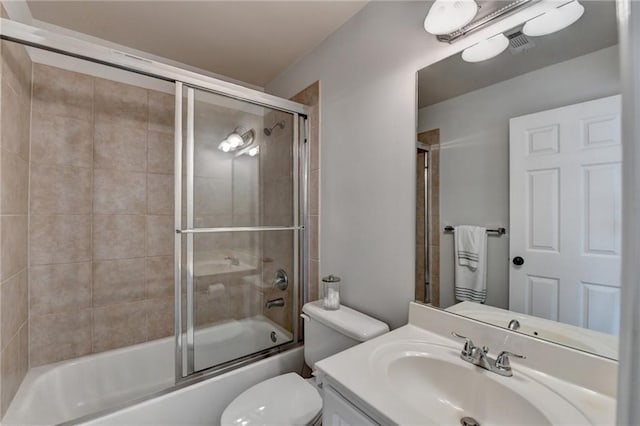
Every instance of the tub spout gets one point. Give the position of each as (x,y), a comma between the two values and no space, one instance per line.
(279,302)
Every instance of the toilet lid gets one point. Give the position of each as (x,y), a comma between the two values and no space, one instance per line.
(283,400)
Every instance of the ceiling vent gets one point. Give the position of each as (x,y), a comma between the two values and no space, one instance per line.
(518,42)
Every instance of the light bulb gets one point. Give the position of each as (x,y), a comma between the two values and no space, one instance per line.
(447,16)
(486,49)
(254,151)
(224,146)
(234,140)
(554,20)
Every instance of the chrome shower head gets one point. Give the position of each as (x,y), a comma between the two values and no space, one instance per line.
(268,131)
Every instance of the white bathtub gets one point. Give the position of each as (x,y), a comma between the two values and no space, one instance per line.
(67,390)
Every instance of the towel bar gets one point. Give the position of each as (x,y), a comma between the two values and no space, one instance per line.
(499,231)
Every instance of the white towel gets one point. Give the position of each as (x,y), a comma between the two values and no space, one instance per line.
(471,263)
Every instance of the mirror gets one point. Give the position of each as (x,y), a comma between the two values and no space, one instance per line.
(528,141)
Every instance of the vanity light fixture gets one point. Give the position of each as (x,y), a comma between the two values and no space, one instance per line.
(447,16)
(486,49)
(554,20)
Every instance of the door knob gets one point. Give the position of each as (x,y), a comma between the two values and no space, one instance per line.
(518,261)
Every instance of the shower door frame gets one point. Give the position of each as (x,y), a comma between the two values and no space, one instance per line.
(299,228)
(52,41)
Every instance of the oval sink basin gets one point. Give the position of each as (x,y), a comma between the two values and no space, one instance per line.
(433,380)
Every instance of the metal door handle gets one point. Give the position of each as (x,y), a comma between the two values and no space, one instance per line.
(518,261)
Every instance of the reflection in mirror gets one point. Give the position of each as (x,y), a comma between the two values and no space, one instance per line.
(529,141)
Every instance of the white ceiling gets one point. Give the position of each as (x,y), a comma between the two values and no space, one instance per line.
(452,77)
(250,41)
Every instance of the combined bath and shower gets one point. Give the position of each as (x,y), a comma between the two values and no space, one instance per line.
(268,131)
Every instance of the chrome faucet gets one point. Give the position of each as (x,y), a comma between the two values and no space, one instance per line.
(514,324)
(478,356)
(279,302)
(234,260)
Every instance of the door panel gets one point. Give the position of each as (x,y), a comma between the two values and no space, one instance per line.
(565,208)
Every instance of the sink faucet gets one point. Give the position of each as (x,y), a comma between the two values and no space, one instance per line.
(234,260)
(478,356)
(514,324)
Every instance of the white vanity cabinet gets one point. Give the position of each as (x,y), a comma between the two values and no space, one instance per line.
(340,408)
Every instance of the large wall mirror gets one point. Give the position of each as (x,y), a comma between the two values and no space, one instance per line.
(518,217)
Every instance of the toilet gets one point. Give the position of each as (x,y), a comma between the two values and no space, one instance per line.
(289,399)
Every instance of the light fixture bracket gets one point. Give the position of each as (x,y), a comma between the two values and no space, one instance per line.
(485,20)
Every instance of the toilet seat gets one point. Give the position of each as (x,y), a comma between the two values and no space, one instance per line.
(283,400)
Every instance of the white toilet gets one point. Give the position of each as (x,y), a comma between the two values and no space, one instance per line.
(289,399)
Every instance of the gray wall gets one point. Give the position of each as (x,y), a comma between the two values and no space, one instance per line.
(474,155)
(367,70)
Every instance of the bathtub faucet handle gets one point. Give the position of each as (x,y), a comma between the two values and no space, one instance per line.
(281,281)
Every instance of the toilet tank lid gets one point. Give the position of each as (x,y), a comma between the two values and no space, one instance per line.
(347,321)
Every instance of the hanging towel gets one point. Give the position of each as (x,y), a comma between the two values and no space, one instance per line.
(470,263)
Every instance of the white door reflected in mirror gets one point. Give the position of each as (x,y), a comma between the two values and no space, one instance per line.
(565,214)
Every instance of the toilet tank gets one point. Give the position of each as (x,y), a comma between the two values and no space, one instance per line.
(328,332)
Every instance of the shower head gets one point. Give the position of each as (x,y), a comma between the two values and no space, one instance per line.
(268,131)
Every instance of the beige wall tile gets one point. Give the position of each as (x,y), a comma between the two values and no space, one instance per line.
(59,288)
(62,93)
(209,161)
(120,103)
(314,280)
(246,185)
(14,184)
(313,238)
(118,281)
(15,122)
(120,147)
(14,366)
(14,306)
(159,276)
(212,196)
(115,326)
(314,192)
(16,67)
(57,337)
(160,147)
(60,190)
(61,140)
(160,194)
(160,235)
(119,192)
(278,201)
(59,239)
(161,112)
(314,147)
(118,237)
(220,241)
(160,317)
(13,245)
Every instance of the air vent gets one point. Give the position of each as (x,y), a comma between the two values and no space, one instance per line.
(518,42)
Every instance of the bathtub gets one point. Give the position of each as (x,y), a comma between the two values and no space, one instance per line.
(565,334)
(63,391)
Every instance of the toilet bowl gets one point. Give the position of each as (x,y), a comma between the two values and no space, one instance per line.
(289,399)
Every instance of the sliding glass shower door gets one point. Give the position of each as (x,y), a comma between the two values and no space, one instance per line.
(238,228)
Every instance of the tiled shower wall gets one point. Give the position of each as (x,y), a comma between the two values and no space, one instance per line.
(101,215)
(15,91)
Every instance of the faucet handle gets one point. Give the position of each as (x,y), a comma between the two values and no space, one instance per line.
(468,344)
(502,360)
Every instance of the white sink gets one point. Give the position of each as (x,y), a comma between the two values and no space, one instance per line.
(432,380)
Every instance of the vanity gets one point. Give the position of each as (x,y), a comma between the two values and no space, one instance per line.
(415,375)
